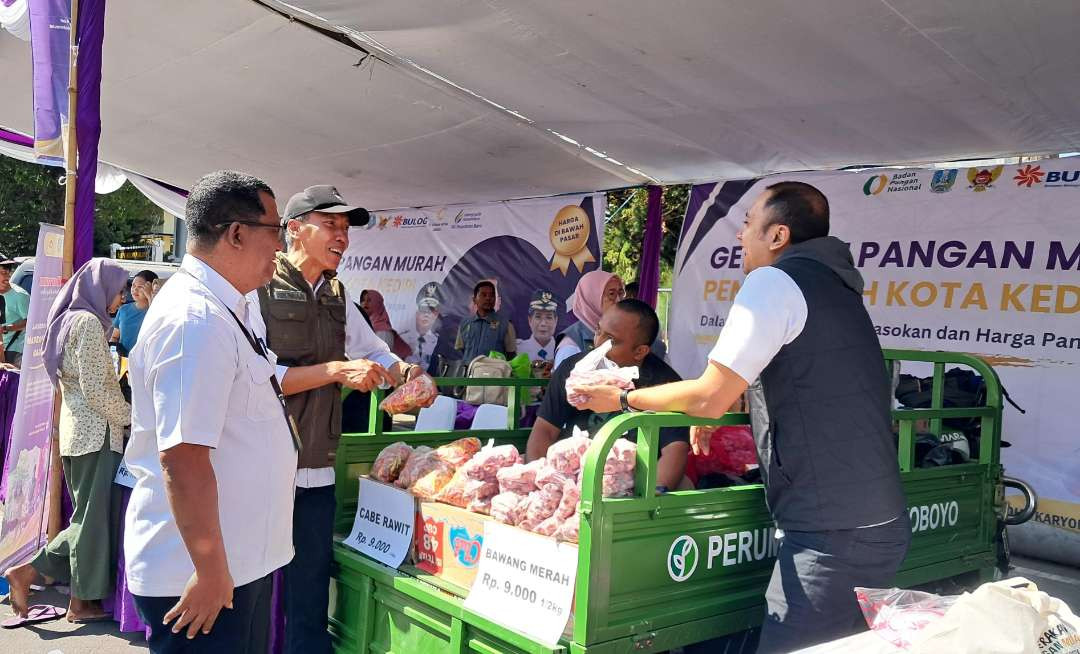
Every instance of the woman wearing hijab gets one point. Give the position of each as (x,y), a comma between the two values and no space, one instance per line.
(93,414)
(596,291)
(373,305)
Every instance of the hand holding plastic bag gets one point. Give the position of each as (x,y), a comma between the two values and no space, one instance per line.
(420,392)
(596,370)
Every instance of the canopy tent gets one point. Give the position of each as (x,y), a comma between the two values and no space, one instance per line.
(473,101)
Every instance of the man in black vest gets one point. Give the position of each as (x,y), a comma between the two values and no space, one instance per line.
(821,409)
(322,342)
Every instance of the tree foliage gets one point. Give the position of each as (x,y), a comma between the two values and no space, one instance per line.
(32,194)
(29,194)
(624,233)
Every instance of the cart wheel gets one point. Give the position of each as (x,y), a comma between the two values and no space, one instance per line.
(1030,500)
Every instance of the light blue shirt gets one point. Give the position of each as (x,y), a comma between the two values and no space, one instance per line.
(16,308)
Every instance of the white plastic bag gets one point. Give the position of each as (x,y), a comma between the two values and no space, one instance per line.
(596,369)
(1006,616)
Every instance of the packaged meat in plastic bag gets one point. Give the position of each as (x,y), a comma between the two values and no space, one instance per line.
(454,492)
(480,489)
(620,484)
(420,462)
(899,615)
(565,455)
(520,477)
(548,526)
(595,369)
(571,495)
(549,476)
(390,461)
(460,451)
(731,451)
(487,462)
(509,508)
(568,530)
(542,504)
(432,483)
(480,506)
(410,395)
(621,458)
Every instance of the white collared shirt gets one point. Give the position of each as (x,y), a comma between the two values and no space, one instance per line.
(196,379)
(361,342)
(533,348)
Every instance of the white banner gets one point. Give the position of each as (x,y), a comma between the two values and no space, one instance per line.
(979,260)
(524,581)
(425,262)
(383,526)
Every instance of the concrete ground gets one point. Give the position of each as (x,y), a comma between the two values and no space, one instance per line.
(62,637)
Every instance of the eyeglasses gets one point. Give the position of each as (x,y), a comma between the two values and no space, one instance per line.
(280,229)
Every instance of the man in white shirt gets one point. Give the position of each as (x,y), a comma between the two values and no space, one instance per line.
(311,320)
(423,337)
(821,416)
(543,320)
(210,516)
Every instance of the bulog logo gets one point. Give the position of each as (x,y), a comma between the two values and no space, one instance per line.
(927,517)
(682,558)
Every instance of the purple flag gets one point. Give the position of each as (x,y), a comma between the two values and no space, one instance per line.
(649,266)
(91,36)
(50,45)
(26,465)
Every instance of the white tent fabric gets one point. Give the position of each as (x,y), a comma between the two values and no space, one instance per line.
(202,85)
(109,178)
(15,18)
(164,197)
(476,100)
(688,90)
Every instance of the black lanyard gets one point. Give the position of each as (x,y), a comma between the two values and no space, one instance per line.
(260,349)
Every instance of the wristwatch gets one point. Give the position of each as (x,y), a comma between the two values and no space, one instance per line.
(624,401)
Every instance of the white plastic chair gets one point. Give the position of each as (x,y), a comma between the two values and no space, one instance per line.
(439,416)
(490,416)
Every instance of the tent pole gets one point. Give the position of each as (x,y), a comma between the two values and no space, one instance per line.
(71,150)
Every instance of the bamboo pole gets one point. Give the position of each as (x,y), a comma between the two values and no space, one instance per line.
(71,152)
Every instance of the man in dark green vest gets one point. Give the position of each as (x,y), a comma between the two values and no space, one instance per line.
(322,343)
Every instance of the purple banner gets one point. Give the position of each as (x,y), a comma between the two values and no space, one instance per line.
(50,45)
(26,465)
(91,36)
(649,270)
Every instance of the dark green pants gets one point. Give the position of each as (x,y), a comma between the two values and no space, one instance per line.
(84,554)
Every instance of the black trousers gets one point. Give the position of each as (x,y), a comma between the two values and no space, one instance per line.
(307,576)
(811,597)
(243,629)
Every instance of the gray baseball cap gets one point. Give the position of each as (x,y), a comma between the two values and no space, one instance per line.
(325,199)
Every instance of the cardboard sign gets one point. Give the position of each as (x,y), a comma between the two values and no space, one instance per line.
(524,582)
(383,526)
(124,476)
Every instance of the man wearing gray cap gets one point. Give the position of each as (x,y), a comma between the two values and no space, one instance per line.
(322,342)
(543,320)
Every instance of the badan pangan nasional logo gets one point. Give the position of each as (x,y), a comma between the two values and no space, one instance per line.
(1029,175)
(875,185)
(682,558)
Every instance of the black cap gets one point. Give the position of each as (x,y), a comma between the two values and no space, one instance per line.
(325,199)
(543,301)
